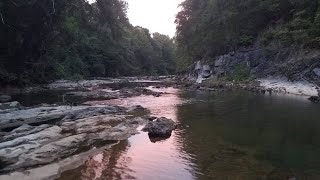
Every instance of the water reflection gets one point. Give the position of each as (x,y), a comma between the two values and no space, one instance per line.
(163,106)
(140,158)
(155,139)
(110,164)
(221,135)
(238,135)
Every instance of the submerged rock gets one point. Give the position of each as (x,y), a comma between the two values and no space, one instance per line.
(161,127)
(314,99)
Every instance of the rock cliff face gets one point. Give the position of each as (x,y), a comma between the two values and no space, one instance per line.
(254,59)
(290,63)
(202,71)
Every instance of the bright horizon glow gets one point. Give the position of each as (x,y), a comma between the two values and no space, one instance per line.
(155,15)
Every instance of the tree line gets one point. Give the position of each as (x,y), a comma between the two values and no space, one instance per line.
(209,28)
(44,40)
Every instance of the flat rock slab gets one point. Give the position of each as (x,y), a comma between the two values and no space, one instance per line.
(85,84)
(53,171)
(9,105)
(35,115)
(21,131)
(80,131)
(13,151)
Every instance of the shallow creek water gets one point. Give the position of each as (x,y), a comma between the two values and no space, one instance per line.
(220,135)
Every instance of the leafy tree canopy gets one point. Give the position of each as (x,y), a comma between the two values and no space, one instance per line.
(208,28)
(43,40)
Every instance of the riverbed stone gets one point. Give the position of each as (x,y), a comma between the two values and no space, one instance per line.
(35,115)
(15,149)
(23,130)
(161,127)
(92,111)
(53,170)
(96,94)
(57,149)
(92,124)
(9,105)
(39,136)
(314,99)
(78,85)
(5,98)
(138,110)
(316,71)
(29,146)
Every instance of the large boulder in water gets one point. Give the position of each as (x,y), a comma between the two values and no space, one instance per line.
(161,127)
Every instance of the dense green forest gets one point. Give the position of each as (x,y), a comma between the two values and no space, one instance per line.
(208,28)
(43,40)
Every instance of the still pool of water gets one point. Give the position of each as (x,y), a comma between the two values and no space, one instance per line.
(220,135)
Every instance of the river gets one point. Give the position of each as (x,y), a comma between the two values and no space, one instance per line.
(220,135)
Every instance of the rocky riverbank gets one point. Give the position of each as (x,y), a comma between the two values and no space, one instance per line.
(42,141)
(262,86)
(74,132)
(70,131)
(73,137)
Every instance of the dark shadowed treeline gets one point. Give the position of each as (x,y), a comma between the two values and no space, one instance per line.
(42,40)
(208,28)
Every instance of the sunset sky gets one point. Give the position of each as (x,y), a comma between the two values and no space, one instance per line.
(156,15)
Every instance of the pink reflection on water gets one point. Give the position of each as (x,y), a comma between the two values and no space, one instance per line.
(94,168)
(161,160)
(139,158)
(163,106)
